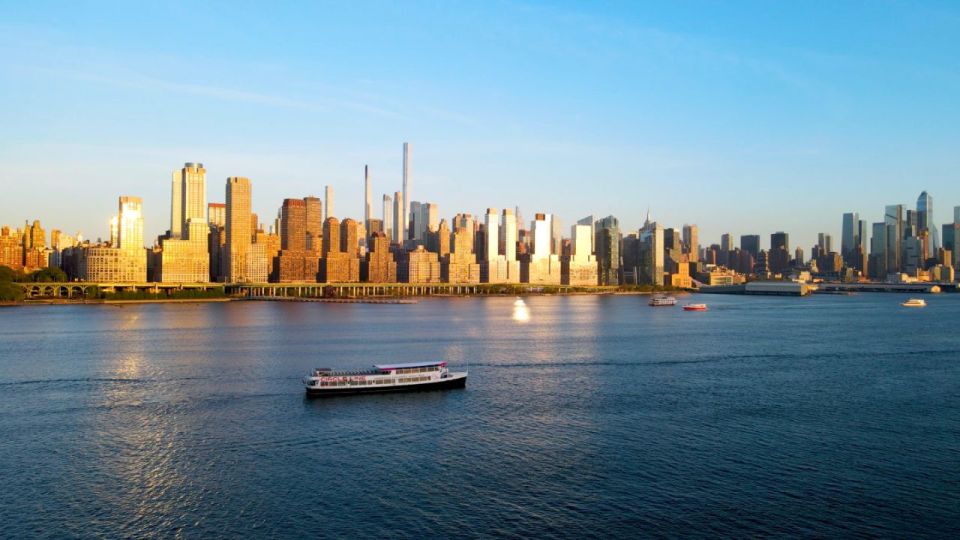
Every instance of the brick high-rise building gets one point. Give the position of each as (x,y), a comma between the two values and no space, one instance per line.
(418,266)
(460,266)
(314,224)
(335,264)
(380,266)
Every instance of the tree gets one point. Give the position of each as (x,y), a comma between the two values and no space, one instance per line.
(49,275)
(8,274)
(10,292)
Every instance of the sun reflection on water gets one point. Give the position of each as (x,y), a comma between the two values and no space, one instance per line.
(521,313)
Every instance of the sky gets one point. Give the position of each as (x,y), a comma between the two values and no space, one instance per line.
(742,117)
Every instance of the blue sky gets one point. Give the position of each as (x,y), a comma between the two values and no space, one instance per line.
(742,117)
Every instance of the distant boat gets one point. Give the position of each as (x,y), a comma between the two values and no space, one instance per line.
(695,307)
(663,300)
(914,302)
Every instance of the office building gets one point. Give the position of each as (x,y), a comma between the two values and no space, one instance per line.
(607,249)
(893,219)
(188,197)
(751,244)
(691,242)
(493,267)
(242,262)
(541,266)
(652,254)
(580,268)
(313,221)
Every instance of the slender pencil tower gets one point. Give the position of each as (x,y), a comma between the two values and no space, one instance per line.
(406,192)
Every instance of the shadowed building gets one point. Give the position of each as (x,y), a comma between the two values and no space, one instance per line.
(580,267)
(339,263)
(493,267)
(379,266)
(314,224)
(439,241)
(607,246)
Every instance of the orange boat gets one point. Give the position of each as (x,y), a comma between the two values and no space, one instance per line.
(695,307)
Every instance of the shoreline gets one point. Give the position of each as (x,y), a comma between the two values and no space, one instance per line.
(329,300)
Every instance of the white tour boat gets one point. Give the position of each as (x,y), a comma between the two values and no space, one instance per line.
(914,302)
(661,300)
(384,378)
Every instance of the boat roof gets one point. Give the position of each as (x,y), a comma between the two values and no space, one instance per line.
(387,367)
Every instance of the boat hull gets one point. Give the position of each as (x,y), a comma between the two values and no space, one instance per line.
(456,381)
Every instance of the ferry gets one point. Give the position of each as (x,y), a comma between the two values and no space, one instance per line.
(661,300)
(695,307)
(915,302)
(384,378)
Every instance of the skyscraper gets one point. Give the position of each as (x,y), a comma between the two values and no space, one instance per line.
(293,225)
(509,234)
(878,251)
(580,267)
(328,194)
(367,197)
(541,265)
(388,217)
(238,229)
(751,244)
(133,257)
(652,259)
(691,242)
(407,179)
(188,198)
(606,244)
(926,223)
(825,243)
(313,222)
(399,218)
(849,236)
(780,240)
(893,219)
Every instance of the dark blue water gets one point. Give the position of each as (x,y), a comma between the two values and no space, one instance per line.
(595,417)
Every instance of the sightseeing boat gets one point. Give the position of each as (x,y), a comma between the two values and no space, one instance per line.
(914,302)
(384,378)
(663,300)
(695,307)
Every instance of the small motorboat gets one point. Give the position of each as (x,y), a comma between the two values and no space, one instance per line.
(914,302)
(695,307)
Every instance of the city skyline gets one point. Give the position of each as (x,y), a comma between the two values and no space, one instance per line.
(366,185)
(733,110)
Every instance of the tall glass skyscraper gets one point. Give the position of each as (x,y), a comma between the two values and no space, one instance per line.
(893,221)
(925,222)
